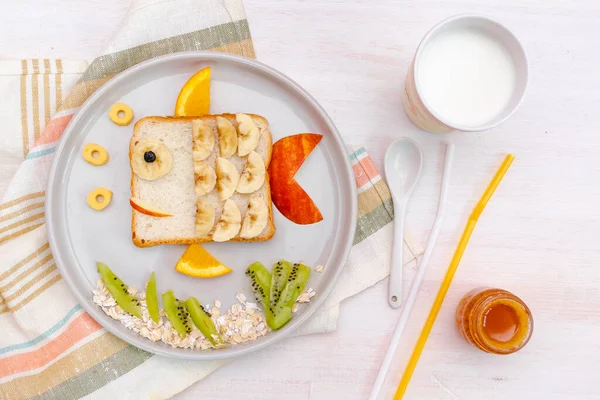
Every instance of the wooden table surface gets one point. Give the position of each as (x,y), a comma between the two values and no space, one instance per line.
(538,237)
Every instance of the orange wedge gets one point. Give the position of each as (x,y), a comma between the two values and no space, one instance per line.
(194,97)
(198,263)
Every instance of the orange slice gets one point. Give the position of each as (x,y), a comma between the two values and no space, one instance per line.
(194,97)
(198,263)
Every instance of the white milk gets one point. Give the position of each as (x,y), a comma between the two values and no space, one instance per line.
(466,76)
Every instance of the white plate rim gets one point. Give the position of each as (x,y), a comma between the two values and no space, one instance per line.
(53,215)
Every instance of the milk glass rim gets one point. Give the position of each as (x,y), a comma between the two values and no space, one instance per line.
(425,42)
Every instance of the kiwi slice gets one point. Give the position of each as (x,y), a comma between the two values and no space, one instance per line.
(201,319)
(296,281)
(176,313)
(152,298)
(281,273)
(295,285)
(261,284)
(118,289)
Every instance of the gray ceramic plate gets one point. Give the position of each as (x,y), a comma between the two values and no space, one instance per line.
(80,236)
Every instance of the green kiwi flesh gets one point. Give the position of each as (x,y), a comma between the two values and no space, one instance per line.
(279,277)
(295,285)
(281,312)
(118,289)
(261,284)
(152,298)
(202,320)
(176,313)
(279,317)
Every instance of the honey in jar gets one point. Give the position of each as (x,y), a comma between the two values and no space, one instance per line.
(494,320)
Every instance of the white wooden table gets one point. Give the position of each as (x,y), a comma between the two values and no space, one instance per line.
(539,237)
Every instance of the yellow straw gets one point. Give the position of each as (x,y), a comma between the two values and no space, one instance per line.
(439,299)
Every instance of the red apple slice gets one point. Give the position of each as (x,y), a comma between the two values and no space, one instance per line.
(146,208)
(288,196)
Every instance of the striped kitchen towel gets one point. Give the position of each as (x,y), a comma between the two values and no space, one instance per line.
(49,347)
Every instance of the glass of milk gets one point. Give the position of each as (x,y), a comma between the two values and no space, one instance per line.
(469,74)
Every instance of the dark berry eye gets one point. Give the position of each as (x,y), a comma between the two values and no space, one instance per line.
(149,156)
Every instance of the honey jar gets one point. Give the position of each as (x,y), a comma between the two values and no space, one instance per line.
(494,320)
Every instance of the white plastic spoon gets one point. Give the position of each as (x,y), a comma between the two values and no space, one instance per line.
(416,285)
(403,162)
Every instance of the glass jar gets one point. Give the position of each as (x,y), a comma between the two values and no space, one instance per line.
(494,320)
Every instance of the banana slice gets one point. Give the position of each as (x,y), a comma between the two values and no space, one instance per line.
(249,135)
(204,139)
(205,217)
(256,218)
(228,140)
(205,178)
(150,159)
(253,175)
(229,223)
(227,178)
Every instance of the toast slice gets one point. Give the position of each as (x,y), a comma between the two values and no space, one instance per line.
(175,192)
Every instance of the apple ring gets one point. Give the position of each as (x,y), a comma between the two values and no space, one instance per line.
(115,114)
(99,198)
(95,154)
